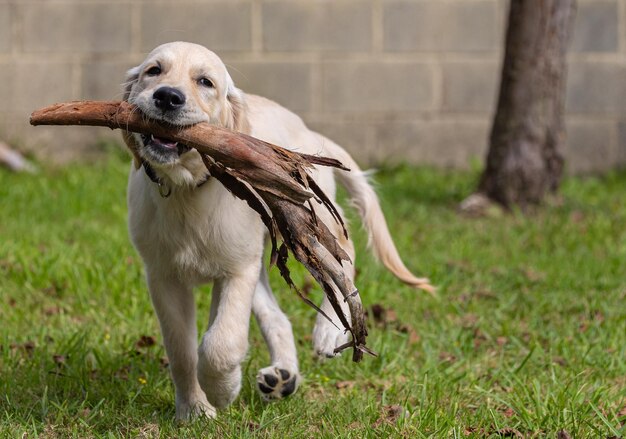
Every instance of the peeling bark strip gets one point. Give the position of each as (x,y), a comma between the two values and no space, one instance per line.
(273,181)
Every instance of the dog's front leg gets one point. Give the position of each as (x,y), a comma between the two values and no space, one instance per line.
(174,305)
(225,343)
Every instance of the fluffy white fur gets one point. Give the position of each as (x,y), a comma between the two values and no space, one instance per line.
(204,234)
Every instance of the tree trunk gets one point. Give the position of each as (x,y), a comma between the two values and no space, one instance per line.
(525,160)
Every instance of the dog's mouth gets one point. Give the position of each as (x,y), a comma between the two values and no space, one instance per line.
(163,145)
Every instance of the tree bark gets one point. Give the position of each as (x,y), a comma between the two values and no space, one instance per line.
(275,182)
(525,160)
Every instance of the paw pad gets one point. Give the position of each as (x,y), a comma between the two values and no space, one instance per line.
(275,383)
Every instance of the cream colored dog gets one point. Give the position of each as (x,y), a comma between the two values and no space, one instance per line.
(190,230)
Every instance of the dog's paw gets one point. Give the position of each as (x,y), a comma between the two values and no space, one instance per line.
(326,338)
(197,409)
(276,383)
(221,389)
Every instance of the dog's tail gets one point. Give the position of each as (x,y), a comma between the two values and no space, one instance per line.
(366,202)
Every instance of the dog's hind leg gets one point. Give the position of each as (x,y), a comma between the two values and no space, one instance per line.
(281,379)
(174,305)
(326,335)
(225,343)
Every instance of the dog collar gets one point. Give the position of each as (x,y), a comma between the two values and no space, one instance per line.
(164,189)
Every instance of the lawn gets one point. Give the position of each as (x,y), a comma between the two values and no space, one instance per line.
(526,338)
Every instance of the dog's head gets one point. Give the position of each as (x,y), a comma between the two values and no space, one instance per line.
(182,84)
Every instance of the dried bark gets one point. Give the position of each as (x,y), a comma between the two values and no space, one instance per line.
(525,160)
(273,181)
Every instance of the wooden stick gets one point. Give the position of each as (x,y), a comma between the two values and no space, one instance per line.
(274,181)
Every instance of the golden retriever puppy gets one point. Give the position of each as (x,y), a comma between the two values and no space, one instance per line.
(190,230)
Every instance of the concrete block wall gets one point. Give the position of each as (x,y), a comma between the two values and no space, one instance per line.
(391,80)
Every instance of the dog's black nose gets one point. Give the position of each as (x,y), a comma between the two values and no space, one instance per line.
(168,98)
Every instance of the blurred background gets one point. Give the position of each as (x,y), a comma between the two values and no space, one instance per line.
(392,81)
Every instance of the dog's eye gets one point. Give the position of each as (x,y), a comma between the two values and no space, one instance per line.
(206,82)
(153,71)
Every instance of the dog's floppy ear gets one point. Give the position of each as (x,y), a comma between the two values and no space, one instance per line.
(235,113)
(131,78)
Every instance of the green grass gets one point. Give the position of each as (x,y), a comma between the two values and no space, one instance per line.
(528,333)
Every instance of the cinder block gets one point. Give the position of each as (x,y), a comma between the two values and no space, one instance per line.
(451,144)
(7,101)
(289,84)
(470,86)
(596,87)
(590,147)
(596,28)
(103,79)
(40,83)
(621,144)
(320,25)
(76,27)
(353,136)
(439,26)
(6,33)
(220,26)
(377,87)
